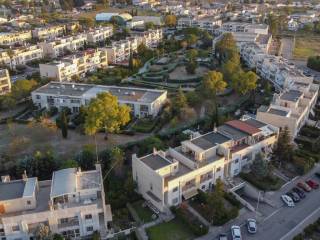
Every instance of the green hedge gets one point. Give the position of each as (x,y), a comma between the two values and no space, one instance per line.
(269,183)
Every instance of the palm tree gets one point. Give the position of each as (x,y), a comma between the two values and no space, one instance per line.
(212,84)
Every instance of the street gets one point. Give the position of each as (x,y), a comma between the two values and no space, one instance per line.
(279,222)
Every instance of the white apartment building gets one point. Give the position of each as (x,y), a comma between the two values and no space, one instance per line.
(71,204)
(12,38)
(58,47)
(119,51)
(209,24)
(244,27)
(143,102)
(292,107)
(5,59)
(5,81)
(150,38)
(49,32)
(99,34)
(166,178)
(75,65)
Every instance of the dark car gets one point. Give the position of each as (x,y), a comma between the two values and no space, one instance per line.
(317,174)
(299,192)
(313,184)
(294,196)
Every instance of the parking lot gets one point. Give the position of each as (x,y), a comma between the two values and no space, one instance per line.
(281,222)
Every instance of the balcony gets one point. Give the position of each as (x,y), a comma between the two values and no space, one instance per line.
(70,223)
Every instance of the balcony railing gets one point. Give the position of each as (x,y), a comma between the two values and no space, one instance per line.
(71,223)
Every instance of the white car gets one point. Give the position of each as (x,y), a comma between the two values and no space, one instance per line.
(252,225)
(236,232)
(287,200)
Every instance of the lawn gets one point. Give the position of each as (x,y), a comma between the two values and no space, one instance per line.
(306,45)
(144,125)
(173,230)
(144,213)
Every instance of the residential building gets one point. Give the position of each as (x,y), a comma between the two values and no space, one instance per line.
(99,34)
(166,178)
(291,107)
(5,82)
(5,59)
(49,32)
(143,102)
(72,204)
(12,38)
(244,27)
(60,46)
(150,38)
(23,55)
(209,24)
(119,51)
(75,65)
(157,21)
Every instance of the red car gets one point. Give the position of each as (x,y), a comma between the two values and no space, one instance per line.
(304,186)
(312,184)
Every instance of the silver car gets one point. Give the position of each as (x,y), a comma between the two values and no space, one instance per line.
(252,225)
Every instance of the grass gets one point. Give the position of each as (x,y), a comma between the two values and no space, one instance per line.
(144,125)
(306,45)
(144,213)
(266,183)
(173,230)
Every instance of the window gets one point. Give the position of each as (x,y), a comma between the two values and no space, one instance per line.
(15,228)
(89,229)
(218,169)
(38,96)
(88,216)
(203,187)
(236,161)
(175,201)
(175,189)
(29,202)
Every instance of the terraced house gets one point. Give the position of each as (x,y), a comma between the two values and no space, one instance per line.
(60,46)
(150,38)
(5,82)
(49,32)
(12,38)
(71,204)
(76,65)
(166,178)
(119,51)
(99,34)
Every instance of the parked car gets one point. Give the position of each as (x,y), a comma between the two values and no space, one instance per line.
(304,186)
(287,200)
(294,196)
(317,174)
(313,184)
(236,232)
(252,225)
(223,236)
(299,192)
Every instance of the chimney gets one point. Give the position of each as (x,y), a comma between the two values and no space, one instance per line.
(154,151)
(24,175)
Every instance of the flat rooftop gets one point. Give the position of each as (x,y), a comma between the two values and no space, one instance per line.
(63,182)
(232,132)
(292,95)
(89,91)
(11,190)
(155,161)
(243,127)
(210,140)
(278,112)
(255,123)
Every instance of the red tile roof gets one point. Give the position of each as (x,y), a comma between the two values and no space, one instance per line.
(244,127)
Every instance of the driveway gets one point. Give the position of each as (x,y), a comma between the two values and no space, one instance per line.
(279,222)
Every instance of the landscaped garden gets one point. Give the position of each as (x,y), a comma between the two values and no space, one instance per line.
(144,212)
(173,230)
(306,45)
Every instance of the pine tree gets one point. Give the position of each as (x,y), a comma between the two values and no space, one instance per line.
(64,125)
(283,151)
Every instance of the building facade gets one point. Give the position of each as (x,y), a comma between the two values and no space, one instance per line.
(5,82)
(143,102)
(119,51)
(99,34)
(76,65)
(209,24)
(71,204)
(166,178)
(49,32)
(12,38)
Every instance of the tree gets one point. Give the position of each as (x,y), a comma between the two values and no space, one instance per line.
(103,2)
(245,82)
(170,20)
(259,167)
(66,5)
(149,25)
(192,54)
(179,102)
(96,235)
(231,69)
(191,39)
(212,84)
(104,112)
(191,67)
(22,88)
(226,48)
(64,124)
(314,63)
(283,150)
(87,22)
(86,158)
(117,161)
(57,236)
(43,232)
